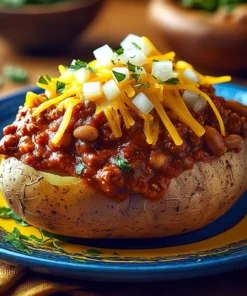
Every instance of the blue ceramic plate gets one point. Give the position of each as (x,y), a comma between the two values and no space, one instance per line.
(218,247)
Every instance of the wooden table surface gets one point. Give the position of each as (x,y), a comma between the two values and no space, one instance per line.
(117,19)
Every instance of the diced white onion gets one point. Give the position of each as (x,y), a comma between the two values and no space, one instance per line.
(48,94)
(92,90)
(194,101)
(190,74)
(190,98)
(136,57)
(128,41)
(162,70)
(122,70)
(105,55)
(200,105)
(82,75)
(142,102)
(111,90)
(123,58)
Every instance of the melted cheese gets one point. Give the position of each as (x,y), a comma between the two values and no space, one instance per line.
(161,95)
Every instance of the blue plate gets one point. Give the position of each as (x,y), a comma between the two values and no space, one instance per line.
(216,248)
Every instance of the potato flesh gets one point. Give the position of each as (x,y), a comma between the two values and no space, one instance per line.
(194,199)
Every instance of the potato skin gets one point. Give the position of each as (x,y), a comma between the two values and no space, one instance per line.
(194,199)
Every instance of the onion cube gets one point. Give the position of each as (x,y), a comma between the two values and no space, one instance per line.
(131,41)
(111,90)
(82,75)
(162,70)
(200,105)
(123,59)
(92,90)
(137,42)
(190,74)
(136,57)
(142,102)
(105,55)
(190,98)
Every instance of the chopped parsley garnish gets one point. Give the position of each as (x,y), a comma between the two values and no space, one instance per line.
(78,64)
(136,45)
(7,213)
(48,78)
(136,76)
(123,164)
(60,87)
(132,67)
(142,85)
(79,168)
(15,74)
(119,76)
(42,80)
(170,81)
(133,57)
(155,60)
(113,62)
(119,51)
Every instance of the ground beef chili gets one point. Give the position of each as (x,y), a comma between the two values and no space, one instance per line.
(29,140)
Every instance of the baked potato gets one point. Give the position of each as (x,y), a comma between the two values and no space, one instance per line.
(67,206)
(78,161)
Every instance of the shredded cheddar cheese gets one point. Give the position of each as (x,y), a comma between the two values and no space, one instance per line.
(164,90)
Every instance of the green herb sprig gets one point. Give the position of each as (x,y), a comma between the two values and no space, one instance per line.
(78,64)
(119,76)
(15,74)
(170,81)
(7,213)
(123,164)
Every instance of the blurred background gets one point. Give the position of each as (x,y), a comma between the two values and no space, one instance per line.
(38,35)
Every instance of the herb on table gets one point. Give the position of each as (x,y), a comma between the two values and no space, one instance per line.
(119,51)
(16,239)
(142,85)
(78,64)
(60,87)
(119,76)
(136,45)
(15,74)
(170,81)
(7,213)
(136,76)
(79,168)
(123,164)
